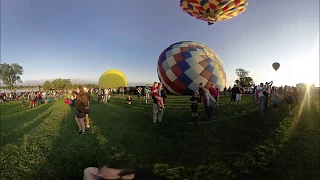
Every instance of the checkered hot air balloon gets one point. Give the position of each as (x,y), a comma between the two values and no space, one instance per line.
(213,10)
(184,65)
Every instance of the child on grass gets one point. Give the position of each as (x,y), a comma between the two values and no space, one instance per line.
(32,100)
(275,104)
(194,104)
(129,100)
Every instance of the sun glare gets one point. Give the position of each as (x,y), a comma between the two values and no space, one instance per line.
(310,66)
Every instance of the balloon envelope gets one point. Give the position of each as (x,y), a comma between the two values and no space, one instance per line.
(213,10)
(276,66)
(112,79)
(184,65)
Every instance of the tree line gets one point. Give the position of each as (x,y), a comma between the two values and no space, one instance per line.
(10,76)
(61,84)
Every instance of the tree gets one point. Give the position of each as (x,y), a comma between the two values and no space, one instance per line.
(246,82)
(243,79)
(10,74)
(46,85)
(241,73)
(67,84)
(61,84)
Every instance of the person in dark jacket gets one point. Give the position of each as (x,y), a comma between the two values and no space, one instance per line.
(81,106)
(233,94)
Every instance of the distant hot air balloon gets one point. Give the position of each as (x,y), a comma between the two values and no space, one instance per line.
(213,10)
(276,66)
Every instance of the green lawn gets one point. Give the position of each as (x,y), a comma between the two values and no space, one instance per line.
(42,143)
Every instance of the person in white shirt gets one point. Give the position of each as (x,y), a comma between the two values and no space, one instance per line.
(261,97)
(106,96)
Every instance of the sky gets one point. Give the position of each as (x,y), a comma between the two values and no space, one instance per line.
(80,39)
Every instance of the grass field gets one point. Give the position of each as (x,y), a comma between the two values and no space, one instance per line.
(42,143)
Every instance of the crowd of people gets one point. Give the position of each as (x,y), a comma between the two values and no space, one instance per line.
(33,97)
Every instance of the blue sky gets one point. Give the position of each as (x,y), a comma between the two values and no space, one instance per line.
(84,38)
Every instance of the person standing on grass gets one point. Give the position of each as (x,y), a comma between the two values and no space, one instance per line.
(89,95)
(107,95)
(87,109)
(208,102)
(289,100)
(194,104)
(146,95)
(266,94)
(1,98)
(139,92)
(201,91)
(233,94)
(156,96)
(261,97)
(275,104)
(216,95)
(238,95)
(81,103)
(99,94)
(211,90)
(32,100)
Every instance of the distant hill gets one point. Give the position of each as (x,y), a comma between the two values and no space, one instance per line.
(40,82)
(73,81)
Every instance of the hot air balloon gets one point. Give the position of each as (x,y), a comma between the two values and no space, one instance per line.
(213,10)
(184,65)
(276,66)
(112,79)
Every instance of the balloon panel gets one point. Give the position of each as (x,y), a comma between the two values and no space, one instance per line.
(184,65)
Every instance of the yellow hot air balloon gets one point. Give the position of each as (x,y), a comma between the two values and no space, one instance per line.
(112,79)
(213,10)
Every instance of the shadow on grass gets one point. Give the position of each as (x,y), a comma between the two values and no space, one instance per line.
(223,145)
(72,153)
(14,137)
(299,157)
(18,110)
(13,128)
(219,150)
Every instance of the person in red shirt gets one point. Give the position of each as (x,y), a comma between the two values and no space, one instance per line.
(155,94)
(216,94)
(211,90)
